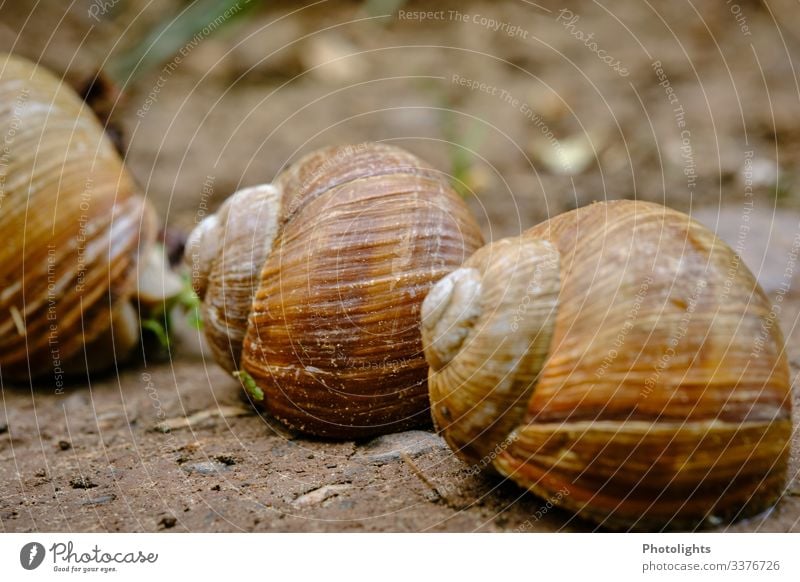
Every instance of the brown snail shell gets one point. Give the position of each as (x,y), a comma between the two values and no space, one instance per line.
(312,286)
(620,353)
(73,229)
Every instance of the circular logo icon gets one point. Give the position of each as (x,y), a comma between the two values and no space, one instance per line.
(31,555)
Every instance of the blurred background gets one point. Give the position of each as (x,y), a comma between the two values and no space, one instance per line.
(533,108)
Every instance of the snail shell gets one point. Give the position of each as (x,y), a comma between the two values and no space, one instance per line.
(312,286)
(620,353)
(73,229)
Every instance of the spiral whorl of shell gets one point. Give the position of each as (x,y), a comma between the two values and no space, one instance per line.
(317,281)
(652,385)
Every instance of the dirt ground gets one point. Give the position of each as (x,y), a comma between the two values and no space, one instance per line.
(553,126)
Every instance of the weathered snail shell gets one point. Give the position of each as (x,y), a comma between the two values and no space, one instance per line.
(620,353)
(312,286)
(73,229)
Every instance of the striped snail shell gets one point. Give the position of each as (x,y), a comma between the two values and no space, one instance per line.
(312,286)
(619,360)
(74,229)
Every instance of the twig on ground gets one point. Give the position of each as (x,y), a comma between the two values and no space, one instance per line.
(428,483)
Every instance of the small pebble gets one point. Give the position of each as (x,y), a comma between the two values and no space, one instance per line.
(168,522)
(205,468)
(226,460)
(102,500)
(316,496)
(387,448)
(82,483)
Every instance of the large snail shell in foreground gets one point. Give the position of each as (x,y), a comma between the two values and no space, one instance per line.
(313,286)
(71,227)
(618,360)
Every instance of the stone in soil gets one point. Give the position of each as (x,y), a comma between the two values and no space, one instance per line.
(102,500)
(205,468)
(82,483)
(387,448)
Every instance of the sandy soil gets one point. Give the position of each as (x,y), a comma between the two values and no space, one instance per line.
(257,94)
